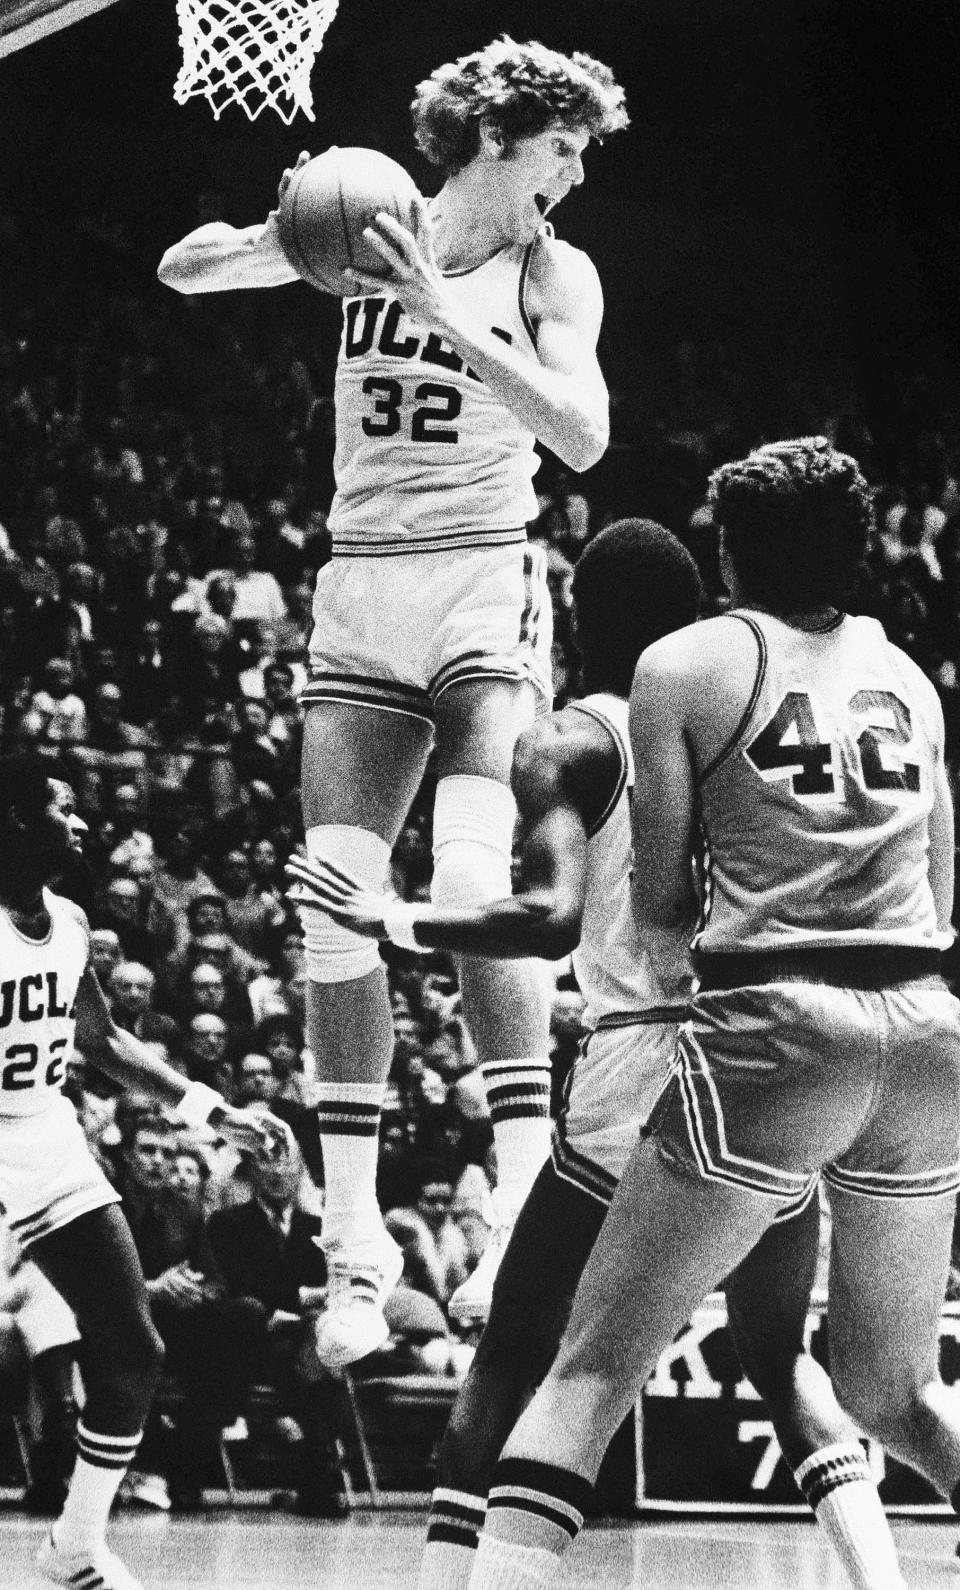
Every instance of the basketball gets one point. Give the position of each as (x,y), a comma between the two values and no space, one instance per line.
(326,207)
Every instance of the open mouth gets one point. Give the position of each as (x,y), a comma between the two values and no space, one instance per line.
(542,202)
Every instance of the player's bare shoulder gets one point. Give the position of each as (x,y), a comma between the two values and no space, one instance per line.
(701,678)
(566,759)
(563,284)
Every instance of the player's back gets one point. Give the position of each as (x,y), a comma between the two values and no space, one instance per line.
(612,967)
(814,816)
(38,988)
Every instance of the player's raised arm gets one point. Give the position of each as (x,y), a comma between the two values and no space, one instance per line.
(124,1058)
(217,258)
(541,918)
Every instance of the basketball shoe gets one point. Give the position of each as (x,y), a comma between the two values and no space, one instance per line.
(360,1278)
(469,1305)
(93,1570)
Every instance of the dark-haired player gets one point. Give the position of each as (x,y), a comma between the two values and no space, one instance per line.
(573,777)
(55,1199)
(799,756)
(433,618)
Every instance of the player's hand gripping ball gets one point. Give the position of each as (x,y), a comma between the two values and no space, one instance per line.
(325,207)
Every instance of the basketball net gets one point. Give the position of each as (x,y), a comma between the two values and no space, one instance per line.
(252,53)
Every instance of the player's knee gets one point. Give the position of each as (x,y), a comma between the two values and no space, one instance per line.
(334,954)
(473,822)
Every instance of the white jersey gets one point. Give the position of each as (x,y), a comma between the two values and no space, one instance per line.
(38,989)
(612,967)
(426,456)
(814,818)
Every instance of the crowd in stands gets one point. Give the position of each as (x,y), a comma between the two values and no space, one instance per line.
(164,481)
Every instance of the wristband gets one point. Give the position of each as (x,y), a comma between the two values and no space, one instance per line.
(399,920)
(198,1104)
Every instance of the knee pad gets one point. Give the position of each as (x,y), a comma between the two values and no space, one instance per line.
(473,822)
(333,953)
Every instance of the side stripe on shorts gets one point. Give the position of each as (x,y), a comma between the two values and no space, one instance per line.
(579,1171)
(707,1133)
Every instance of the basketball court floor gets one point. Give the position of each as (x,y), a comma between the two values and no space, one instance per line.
(255,1550)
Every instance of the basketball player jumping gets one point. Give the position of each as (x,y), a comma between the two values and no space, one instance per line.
(55,1199)
(573,778)
(806,753)
(433,618)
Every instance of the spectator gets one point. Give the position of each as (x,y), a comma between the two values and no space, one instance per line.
(178,880)
(105,953)
(59,712)
(258,594)
(435,1252)
(268,1248)
(127,835)
(131,991)
(256,1082)
(249,916)
(208,1053)
(213,1343)
(120,911)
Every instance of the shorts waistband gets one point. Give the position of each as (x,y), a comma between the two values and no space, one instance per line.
(846,966)
(392,546)
(653,1016)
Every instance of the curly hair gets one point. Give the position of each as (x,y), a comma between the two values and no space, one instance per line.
(522,89)
(634,583)
(795,517)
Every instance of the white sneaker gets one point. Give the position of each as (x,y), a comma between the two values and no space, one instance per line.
(469,1305)
(359,1281)
(92,1570)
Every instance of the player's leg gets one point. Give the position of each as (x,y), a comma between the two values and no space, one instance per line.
(768,1298)
(532,1293)
(93,1264)
(667,1241)
(888,1273)
(361,768)
(893,1199)
(506,1003)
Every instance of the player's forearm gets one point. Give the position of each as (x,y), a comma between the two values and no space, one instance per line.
(562,412)
(533,925)
(218,258)
(129,1062)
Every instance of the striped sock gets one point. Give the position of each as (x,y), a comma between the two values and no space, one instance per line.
(837,1484)
(536,1505)
(453,1529)
(102,1461)
(518,1098)
(349,1116)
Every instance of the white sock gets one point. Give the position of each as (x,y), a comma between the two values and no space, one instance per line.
(102,1461)
(504,1565)
(518,1098)
(836,1482)
(349,1115)
(453,1530)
